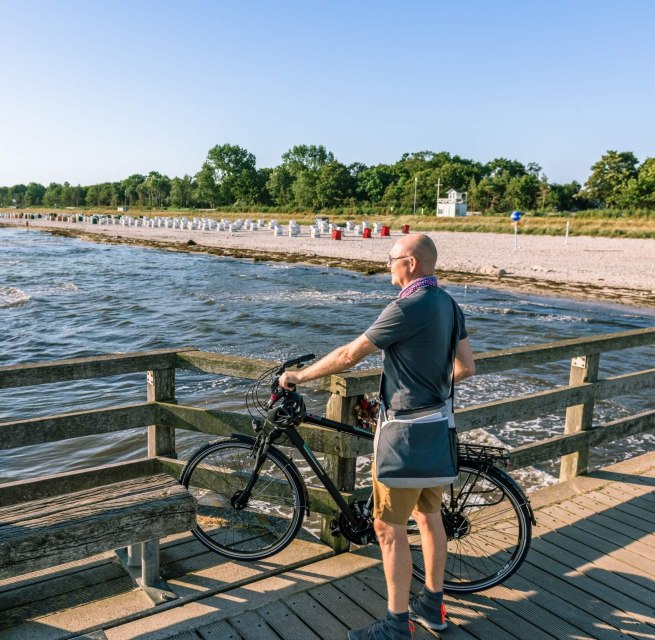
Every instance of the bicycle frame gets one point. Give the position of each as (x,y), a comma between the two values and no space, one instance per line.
(317,467)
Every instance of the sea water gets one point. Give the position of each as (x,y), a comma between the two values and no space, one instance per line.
(68,298)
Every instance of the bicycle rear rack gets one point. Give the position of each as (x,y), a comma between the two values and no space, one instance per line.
(483,453)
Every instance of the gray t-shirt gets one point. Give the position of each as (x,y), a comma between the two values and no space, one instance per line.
(415,334)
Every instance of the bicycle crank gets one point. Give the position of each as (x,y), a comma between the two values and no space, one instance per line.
(362,533)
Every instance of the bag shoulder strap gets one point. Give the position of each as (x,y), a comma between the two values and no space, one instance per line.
(453,350)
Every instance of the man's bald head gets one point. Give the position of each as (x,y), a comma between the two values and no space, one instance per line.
(422,249)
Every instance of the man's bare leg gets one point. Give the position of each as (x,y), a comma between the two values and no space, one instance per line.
(397,562)
(435,548)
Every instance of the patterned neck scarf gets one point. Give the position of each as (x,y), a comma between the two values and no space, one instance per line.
(419,283)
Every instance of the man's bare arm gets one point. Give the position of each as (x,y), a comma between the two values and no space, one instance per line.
(464,363)
(341,359)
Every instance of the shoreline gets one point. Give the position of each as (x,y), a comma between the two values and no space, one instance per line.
(615,271)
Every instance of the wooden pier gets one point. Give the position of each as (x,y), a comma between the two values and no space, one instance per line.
(589,574)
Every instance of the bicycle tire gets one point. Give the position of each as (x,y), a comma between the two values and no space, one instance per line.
(490,532)
(274,514)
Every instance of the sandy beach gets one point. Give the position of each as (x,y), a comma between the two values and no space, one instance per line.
(603,269)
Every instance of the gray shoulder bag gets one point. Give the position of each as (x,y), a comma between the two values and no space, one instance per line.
(421,452)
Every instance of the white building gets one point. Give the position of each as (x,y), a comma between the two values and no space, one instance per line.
(454,205)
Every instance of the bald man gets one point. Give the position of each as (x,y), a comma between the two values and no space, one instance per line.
(414,332)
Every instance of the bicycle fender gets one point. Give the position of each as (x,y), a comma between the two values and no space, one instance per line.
(242,437)
(519,490)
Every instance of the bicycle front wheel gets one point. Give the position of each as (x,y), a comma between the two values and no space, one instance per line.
(489,528)
(217,475)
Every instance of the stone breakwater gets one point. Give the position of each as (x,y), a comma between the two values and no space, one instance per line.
(603,269)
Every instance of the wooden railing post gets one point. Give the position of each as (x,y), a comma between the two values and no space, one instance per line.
(341,470)
(579,417)
(161,388)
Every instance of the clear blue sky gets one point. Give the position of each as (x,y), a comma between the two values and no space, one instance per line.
(94,91)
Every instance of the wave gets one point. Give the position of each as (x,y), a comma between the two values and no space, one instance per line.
(12,297)
(55,288)
(342,297)
(523,313)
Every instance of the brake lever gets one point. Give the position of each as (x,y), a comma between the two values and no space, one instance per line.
(277,392)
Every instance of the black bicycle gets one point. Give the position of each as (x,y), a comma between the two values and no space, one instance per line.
(252,499)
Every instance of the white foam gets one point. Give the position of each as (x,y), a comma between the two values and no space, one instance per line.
(12,297)
(343,297)
(55,288)
(537,316)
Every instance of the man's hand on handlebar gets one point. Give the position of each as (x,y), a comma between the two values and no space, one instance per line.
(289,379)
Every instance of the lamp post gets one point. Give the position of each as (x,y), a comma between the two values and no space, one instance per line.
(436,207)
(415,185)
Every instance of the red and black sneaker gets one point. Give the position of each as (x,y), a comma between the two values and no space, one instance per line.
(427,618)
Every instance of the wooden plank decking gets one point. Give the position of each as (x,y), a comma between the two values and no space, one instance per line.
(590,575)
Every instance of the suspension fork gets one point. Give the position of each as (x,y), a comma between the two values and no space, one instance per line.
(260,448)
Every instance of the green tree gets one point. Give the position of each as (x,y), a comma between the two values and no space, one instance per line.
(34,194)
(181,194)
(304,163)
(154,190)
(609,177)
(263,196)
(303,158)
(67,195)
(639,192)
(18,192)
(129,188)
(334,185)
(52,196)
(373,182)
(521,192)
(502,166)
(280,186)
(206,193)
(92,195)
(488,195)
(235,174)
(304,190)
(564,197)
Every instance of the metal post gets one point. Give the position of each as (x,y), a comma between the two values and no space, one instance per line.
(415,185)
(150,563)
(134,555)
(436,208)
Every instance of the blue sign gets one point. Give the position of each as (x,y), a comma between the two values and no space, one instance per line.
(515,216)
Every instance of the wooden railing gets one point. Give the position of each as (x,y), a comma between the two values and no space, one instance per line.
(162,415)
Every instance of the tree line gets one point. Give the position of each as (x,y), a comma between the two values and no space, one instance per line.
(310,177)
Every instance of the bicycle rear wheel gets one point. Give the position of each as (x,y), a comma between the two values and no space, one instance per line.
(489,528)
(218,473)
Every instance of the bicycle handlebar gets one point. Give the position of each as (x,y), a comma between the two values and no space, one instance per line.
(294,362)
(276,391)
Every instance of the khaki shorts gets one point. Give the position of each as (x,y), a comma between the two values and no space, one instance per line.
(394,506)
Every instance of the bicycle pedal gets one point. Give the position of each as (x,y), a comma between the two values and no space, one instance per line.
(335,530)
